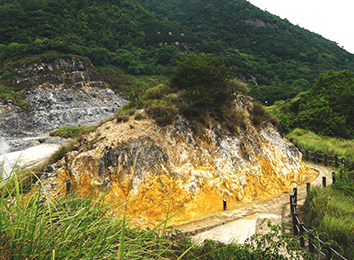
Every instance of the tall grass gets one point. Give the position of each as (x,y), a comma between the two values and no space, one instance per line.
(38,226)
(305,139)
(73,132)
(35,226)
(330,211)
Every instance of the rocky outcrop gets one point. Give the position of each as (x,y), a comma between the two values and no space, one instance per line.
(64,92)
(149,167)
(259,23)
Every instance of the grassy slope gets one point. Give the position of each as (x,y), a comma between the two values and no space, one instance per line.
(305,139)
(330,210)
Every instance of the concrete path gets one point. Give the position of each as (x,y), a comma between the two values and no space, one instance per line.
(239,224)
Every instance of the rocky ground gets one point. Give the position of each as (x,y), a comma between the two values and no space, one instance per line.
(61,93)
(64,92)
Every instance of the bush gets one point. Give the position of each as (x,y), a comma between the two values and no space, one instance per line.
(123,115)
(260,115)
(140,115)
(72,132)
(16,97)
(6,75)
(204,79)
(163,112)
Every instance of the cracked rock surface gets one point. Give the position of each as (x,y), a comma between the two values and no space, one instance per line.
(61,93)
(149,167)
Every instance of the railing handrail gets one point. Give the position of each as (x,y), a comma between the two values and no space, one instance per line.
(325,159)
(299,228)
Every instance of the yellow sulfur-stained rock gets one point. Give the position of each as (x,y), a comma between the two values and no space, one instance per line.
(149,169)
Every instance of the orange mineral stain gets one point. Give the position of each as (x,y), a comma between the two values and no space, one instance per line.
(151,171)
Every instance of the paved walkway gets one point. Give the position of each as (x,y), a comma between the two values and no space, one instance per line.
(239,224)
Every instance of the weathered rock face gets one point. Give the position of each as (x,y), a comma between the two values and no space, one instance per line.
(259,23)
(146,166)
(64,92)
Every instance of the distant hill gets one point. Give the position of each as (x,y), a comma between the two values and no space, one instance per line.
(146,37)
(110,32)
(326,109)
(262,47)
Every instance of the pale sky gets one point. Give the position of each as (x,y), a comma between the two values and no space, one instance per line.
(333,19)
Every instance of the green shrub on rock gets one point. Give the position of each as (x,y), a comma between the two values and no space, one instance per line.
(6,75)
(204,79)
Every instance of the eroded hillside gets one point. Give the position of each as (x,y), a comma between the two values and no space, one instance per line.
(145,166)
(62,92)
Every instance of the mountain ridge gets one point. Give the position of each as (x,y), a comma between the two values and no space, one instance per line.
(283,60)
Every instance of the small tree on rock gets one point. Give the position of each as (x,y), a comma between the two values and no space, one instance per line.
(206,82)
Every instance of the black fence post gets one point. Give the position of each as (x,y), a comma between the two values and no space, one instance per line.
(225,207)
(295,195)
(68,187)
(336,164)
(324,182)
(302,231)
(308,187)
(315,158)
(307,155)
(311,238)
(295,216)
(291,205)
(333,178)
(325,160)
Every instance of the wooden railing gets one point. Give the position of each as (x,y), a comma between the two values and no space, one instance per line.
(299,229)
(320,158)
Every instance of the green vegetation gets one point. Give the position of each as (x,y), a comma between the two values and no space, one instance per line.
(6,75)
(326,109)
(68,227)
(73,132)
(281,58)
(34,226)
(304,139)
(330,210)
(201,88)
(119,33)
(204,80)
(7,93)
(157,102)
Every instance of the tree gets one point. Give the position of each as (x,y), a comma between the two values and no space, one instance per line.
(204,79)
(327,108)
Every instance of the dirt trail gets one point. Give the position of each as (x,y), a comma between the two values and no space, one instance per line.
(243,218)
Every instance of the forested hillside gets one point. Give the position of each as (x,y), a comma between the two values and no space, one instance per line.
(326,109)
(109,32)
(261,47)
(144,37)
